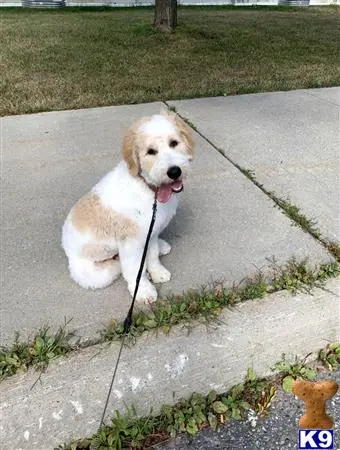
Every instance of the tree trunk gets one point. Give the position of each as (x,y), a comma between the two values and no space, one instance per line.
(165,15)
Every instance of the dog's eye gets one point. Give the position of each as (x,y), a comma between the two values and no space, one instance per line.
(152,151)
(173,143)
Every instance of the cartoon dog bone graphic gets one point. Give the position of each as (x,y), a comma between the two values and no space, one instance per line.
(315,395)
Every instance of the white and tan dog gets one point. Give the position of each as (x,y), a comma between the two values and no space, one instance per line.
(114,218)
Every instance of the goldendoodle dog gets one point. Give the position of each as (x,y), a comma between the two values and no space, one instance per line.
(104,233)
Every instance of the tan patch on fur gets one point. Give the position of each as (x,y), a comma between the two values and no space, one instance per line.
(107,264)
(130,147)
(89,215)
(97,252)
(129,152)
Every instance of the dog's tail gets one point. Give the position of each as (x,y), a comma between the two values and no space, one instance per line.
(93,275)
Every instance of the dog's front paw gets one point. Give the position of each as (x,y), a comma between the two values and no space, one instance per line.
(160,275)
(146,292)
(164,247)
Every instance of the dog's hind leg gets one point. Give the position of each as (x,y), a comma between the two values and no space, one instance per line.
(94,275)
(164,247)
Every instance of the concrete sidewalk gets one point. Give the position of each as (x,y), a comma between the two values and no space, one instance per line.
(68,402)
(226,227)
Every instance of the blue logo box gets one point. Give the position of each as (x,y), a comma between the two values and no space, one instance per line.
(316,439)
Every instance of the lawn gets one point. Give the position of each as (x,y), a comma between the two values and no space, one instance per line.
(63,59)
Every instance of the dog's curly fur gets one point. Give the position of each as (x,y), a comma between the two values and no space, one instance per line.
(104,233)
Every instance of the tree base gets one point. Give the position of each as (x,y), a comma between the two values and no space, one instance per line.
(165,15)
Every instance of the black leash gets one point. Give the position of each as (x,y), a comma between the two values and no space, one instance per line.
(128,319)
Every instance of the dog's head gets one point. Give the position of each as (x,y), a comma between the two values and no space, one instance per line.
(160,150)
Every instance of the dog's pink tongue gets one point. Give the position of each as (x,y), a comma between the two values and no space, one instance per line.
(164,193)
(165,190)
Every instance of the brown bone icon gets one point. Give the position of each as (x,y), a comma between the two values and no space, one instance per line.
(315,395)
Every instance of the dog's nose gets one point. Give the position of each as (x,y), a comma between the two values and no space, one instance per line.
(174,172)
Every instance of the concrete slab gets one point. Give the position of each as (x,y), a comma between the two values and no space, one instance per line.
(331,95)
(68,403)
(291,140)
(225,228)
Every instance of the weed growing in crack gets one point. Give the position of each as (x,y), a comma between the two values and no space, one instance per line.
(330,356)
(327,271)
(206,304)
(295,214)
(249,174)
(294,276)
(171,108)
(256,287)
(125,431)
(334,249)
(44,348)
(290,371)
(202,304)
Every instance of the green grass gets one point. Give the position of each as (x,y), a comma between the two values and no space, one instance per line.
(194,306)
(62,59)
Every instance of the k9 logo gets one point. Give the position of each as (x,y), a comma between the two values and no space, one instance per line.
(309,439)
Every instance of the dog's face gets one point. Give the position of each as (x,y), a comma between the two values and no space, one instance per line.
(160,149)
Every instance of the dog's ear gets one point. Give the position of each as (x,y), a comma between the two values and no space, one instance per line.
(129,153)
(164,111)
(169,114)
(183,129)
(186,134)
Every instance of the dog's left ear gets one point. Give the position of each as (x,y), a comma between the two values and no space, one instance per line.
(183,129)
(129,153)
